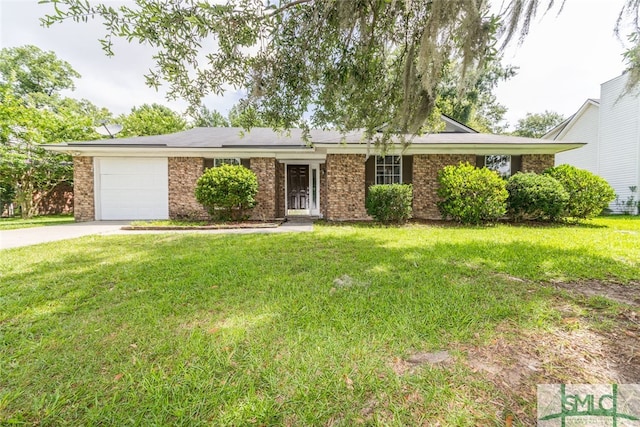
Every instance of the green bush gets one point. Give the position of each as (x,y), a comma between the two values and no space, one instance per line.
(390,203)
(537,197)
(589,194)
(227,191)
(470,195)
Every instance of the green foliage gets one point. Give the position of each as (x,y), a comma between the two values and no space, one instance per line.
(536,197)
(477,106)
(246,117)
(470,195)
(31,70)
(32,112)
(209,119)
(589,194)
(536,125)
(390,203)
(154,119)
(227,191)
(347,64)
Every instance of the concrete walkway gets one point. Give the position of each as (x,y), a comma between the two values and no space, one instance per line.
(33,236)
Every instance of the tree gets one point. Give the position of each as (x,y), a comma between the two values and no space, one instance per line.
(27,171)
(32,70)
(154,119)
(32,112)
(246,116)
(347,64)
(477,106)
(211,119)
(536,125)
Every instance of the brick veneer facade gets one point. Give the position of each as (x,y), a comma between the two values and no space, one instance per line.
(183,175)
(83,198)
(345,189)
(537,162)
(425,181)
(265,169)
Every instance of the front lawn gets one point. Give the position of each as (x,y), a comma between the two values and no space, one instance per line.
(37,221)
(333,327)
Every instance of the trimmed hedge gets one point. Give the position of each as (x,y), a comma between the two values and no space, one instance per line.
(535,197)
(589,194)
(390,203)
(470,195)
(227,191)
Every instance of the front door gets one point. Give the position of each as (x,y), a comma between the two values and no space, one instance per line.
(298,187)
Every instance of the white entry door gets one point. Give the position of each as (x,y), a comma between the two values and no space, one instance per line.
(131,188)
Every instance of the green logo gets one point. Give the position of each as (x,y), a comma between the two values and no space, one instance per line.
(613,405)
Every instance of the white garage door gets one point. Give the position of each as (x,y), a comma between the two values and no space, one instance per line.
(132,188)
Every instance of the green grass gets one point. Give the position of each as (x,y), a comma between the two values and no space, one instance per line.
(38,221)
(253,329)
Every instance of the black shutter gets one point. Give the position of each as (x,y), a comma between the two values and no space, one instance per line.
(516,164)
(407,169)
(207,163)
(246,163)
(480,161)
(369,174)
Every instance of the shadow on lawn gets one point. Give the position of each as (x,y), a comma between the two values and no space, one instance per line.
(170,274)
(249,310)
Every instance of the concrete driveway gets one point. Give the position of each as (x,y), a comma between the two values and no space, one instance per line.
(52,233)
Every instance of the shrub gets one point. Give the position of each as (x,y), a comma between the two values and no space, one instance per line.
(227,191)
(470,195)
(390,203)
(538,197)
(589,194)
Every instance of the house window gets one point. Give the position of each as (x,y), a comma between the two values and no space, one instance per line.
(222,161)
(213,163)
(388,169)
(499,163)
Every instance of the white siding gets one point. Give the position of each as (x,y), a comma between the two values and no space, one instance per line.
(585,129)
(618,161)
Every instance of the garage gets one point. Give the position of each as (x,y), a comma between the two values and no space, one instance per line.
(130,188)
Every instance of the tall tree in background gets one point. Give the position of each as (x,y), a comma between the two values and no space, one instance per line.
(536,125)
(32,112)
(204,117)
(351,64)
(476,106)
(31,70)
(154,119)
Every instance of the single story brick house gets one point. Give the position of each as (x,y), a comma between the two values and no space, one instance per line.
(153,177)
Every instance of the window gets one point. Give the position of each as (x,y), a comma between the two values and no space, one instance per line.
(231,161)
(388,169)
(500,164)
(213,163)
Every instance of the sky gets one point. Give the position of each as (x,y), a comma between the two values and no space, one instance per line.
(562,62)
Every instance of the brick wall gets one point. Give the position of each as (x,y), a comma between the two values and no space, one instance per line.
(345,190)
(537,162)
(58,201)
(425,181)
(265,169)
(83,199)
(183,175)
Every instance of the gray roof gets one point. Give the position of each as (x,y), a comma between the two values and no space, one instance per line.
(268,138)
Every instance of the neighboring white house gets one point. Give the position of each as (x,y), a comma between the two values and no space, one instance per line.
(611,128)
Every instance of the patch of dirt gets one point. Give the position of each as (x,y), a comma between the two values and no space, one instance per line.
(625,294)
(517,361)
(416,360)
